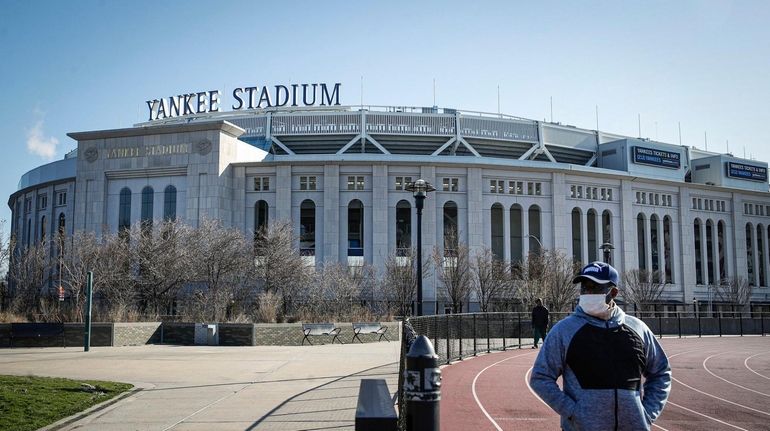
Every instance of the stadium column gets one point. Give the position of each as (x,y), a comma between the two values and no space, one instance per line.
(506,234)
(380,225)
(525,239)
(431,215)
(738,259)
(662,248)
(685,263)
(715,250)
(475,222)
(703,253)
(648,242)
(331,208)
(561,230)
(283,193)
(584,235)
(629,256)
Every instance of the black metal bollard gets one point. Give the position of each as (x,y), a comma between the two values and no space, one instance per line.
(422,387)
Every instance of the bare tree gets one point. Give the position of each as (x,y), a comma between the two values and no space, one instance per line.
(453,271)
(279,267)
(399,280)
(336,293)
(548,275)
(491,281)
(85,252)
(164,259)
(642,288)
(27,272)
(734,290)
(221,264)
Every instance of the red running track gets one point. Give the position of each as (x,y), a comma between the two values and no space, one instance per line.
(719,384)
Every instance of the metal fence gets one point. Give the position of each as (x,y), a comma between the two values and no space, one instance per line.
(459,336)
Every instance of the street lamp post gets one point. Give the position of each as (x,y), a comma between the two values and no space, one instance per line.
(419,189)
(607,249)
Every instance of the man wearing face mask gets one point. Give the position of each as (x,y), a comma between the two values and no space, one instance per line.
(602,354)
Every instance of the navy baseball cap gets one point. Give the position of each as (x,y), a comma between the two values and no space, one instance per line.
(599,273)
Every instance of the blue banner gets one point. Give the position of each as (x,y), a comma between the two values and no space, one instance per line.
(650,156)
(746,172)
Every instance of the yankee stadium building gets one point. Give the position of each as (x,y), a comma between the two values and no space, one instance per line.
(339,173)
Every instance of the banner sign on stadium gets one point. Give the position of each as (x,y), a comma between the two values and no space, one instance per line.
(245,98)
(746,172)
(650,156)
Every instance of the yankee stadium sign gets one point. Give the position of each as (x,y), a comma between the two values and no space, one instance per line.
(245,98)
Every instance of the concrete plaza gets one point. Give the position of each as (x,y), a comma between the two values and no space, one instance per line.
(217,388)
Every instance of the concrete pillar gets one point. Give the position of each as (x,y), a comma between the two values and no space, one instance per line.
(661,249)
(380,215)
(715,251)
(755,253)
(331,209)
(584,236)
(648,242)
(283,193)
(525,233)
(703,247)
(506,234)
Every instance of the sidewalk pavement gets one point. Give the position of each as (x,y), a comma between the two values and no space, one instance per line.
(284,388)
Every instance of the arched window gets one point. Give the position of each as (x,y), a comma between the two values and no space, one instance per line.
(535,237)
(710,251)
(307,228)
(593,247)
(761,254)
(655,264)
(42,229)
(355,228)
(516,234)
(496,226)
(668,267)
(451,232)
(641,241)
(403,227)
(260,216)
(749,255)
(607,231)
(124,210)
(28,230)
(721,246)
(147,207)
(577,241)
(169,203)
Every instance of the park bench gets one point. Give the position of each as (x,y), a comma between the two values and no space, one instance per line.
(369,328)
(320,329)
(375,410)
(37,331)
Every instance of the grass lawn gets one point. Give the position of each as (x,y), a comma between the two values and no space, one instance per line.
(28,402)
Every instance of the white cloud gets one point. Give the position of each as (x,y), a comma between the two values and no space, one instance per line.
(39,144)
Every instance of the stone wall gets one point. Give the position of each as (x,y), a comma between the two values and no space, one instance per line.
(136,334)
(290,334)
(230,334)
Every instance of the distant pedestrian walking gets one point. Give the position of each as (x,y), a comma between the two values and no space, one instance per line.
(540,321)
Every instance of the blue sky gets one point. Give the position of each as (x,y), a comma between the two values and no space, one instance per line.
(90,65)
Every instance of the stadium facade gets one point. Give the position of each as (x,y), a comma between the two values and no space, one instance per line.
(339,174)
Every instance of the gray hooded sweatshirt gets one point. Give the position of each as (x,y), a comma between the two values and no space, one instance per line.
(602,364)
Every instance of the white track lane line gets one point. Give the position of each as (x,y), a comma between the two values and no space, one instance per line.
(669,402)
(727,381)
(473,389)
(746,364)
(707,416)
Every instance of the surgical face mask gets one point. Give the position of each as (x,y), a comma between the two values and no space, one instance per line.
(595,305)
